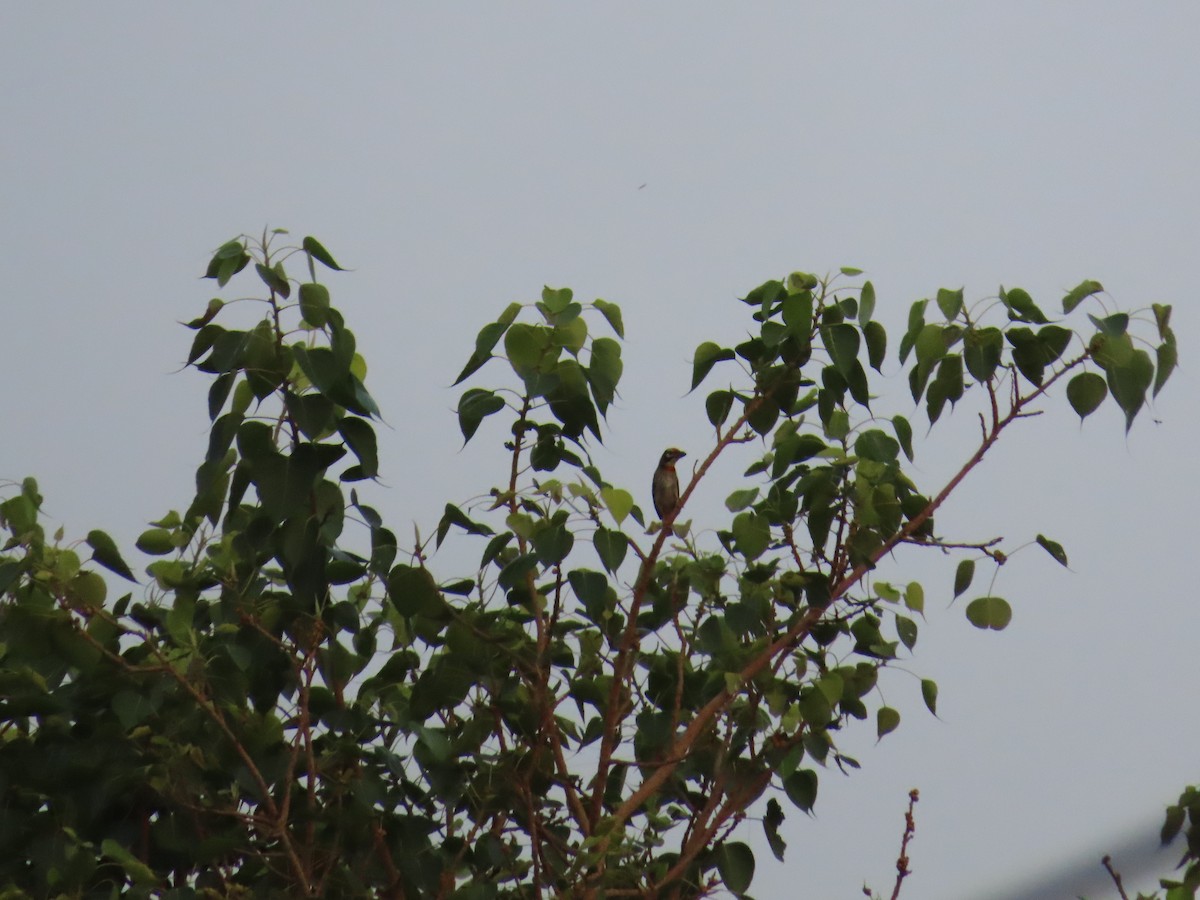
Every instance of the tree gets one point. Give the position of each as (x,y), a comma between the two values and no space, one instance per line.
(296,706)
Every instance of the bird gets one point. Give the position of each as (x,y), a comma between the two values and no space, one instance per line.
(665,486)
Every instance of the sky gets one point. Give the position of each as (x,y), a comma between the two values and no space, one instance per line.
(669,158)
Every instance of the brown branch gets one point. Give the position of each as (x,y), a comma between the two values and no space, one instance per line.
(735,802)
(627,651)
(1115,875)
(910,826)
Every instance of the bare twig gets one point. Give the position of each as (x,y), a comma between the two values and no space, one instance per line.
(1115,875)
(910,827)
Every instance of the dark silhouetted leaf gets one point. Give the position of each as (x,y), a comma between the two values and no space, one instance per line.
(1085,392)
(105,552)
(1054,548)
(1079,293)
(707,355)
(963,575)
(314,249)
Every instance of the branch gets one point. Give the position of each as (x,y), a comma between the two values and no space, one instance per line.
(1115,875)
(627,652)
(910,826)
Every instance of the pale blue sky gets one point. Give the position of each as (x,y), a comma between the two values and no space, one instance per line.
(458,158)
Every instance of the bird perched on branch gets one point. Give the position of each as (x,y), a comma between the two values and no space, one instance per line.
(665,487)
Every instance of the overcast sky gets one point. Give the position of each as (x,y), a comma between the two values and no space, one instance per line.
(458,157)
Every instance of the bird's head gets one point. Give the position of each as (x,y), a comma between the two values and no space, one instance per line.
(667,460)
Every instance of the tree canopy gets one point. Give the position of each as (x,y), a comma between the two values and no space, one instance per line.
(295,703)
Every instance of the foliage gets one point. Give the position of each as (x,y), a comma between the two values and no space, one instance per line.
(296,707)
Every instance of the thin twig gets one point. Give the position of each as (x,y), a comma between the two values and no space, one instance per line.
(910,826)
(1116,877)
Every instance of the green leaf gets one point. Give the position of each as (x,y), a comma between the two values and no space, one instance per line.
(530,350)
(838,425)
(134,867)
(604,371)
(1109,351)
(751,534)
(1162,320)
(1085,392)
(866,304)
(1129,382)
(875,445)
(717,405)
(1079,293)
(801,788)
(494,549)
(948,381)
(314,249)
(90,589)
(963,575)
(916,322)
(1027,354)
(887,720)
(739,500)
(413,592)
(1167,357)
(771,822)
(571,334)
(950,302)
(105,552)
(156,542)
(929,693)
(612,313)
(619,502)
(914,597)
(274,279)
(571,402)
(313,413)
(707,355)
(1173,823)
(218,393)
(486,341)
(930,347)
(210,312)
(907,630)
(611,547)
(314,303)
(552,544)
(476,404)
(876,338)
(556,300)
(831,685)
(1054,340)
(590,587)
(904,435)
(841,343)
(735,862)
(229,259)
(1021,307)
(982,350)
(360,437)
(1112,326)
(989,612)
(330,374)
(455,516)
(798,315)
(1055,549)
